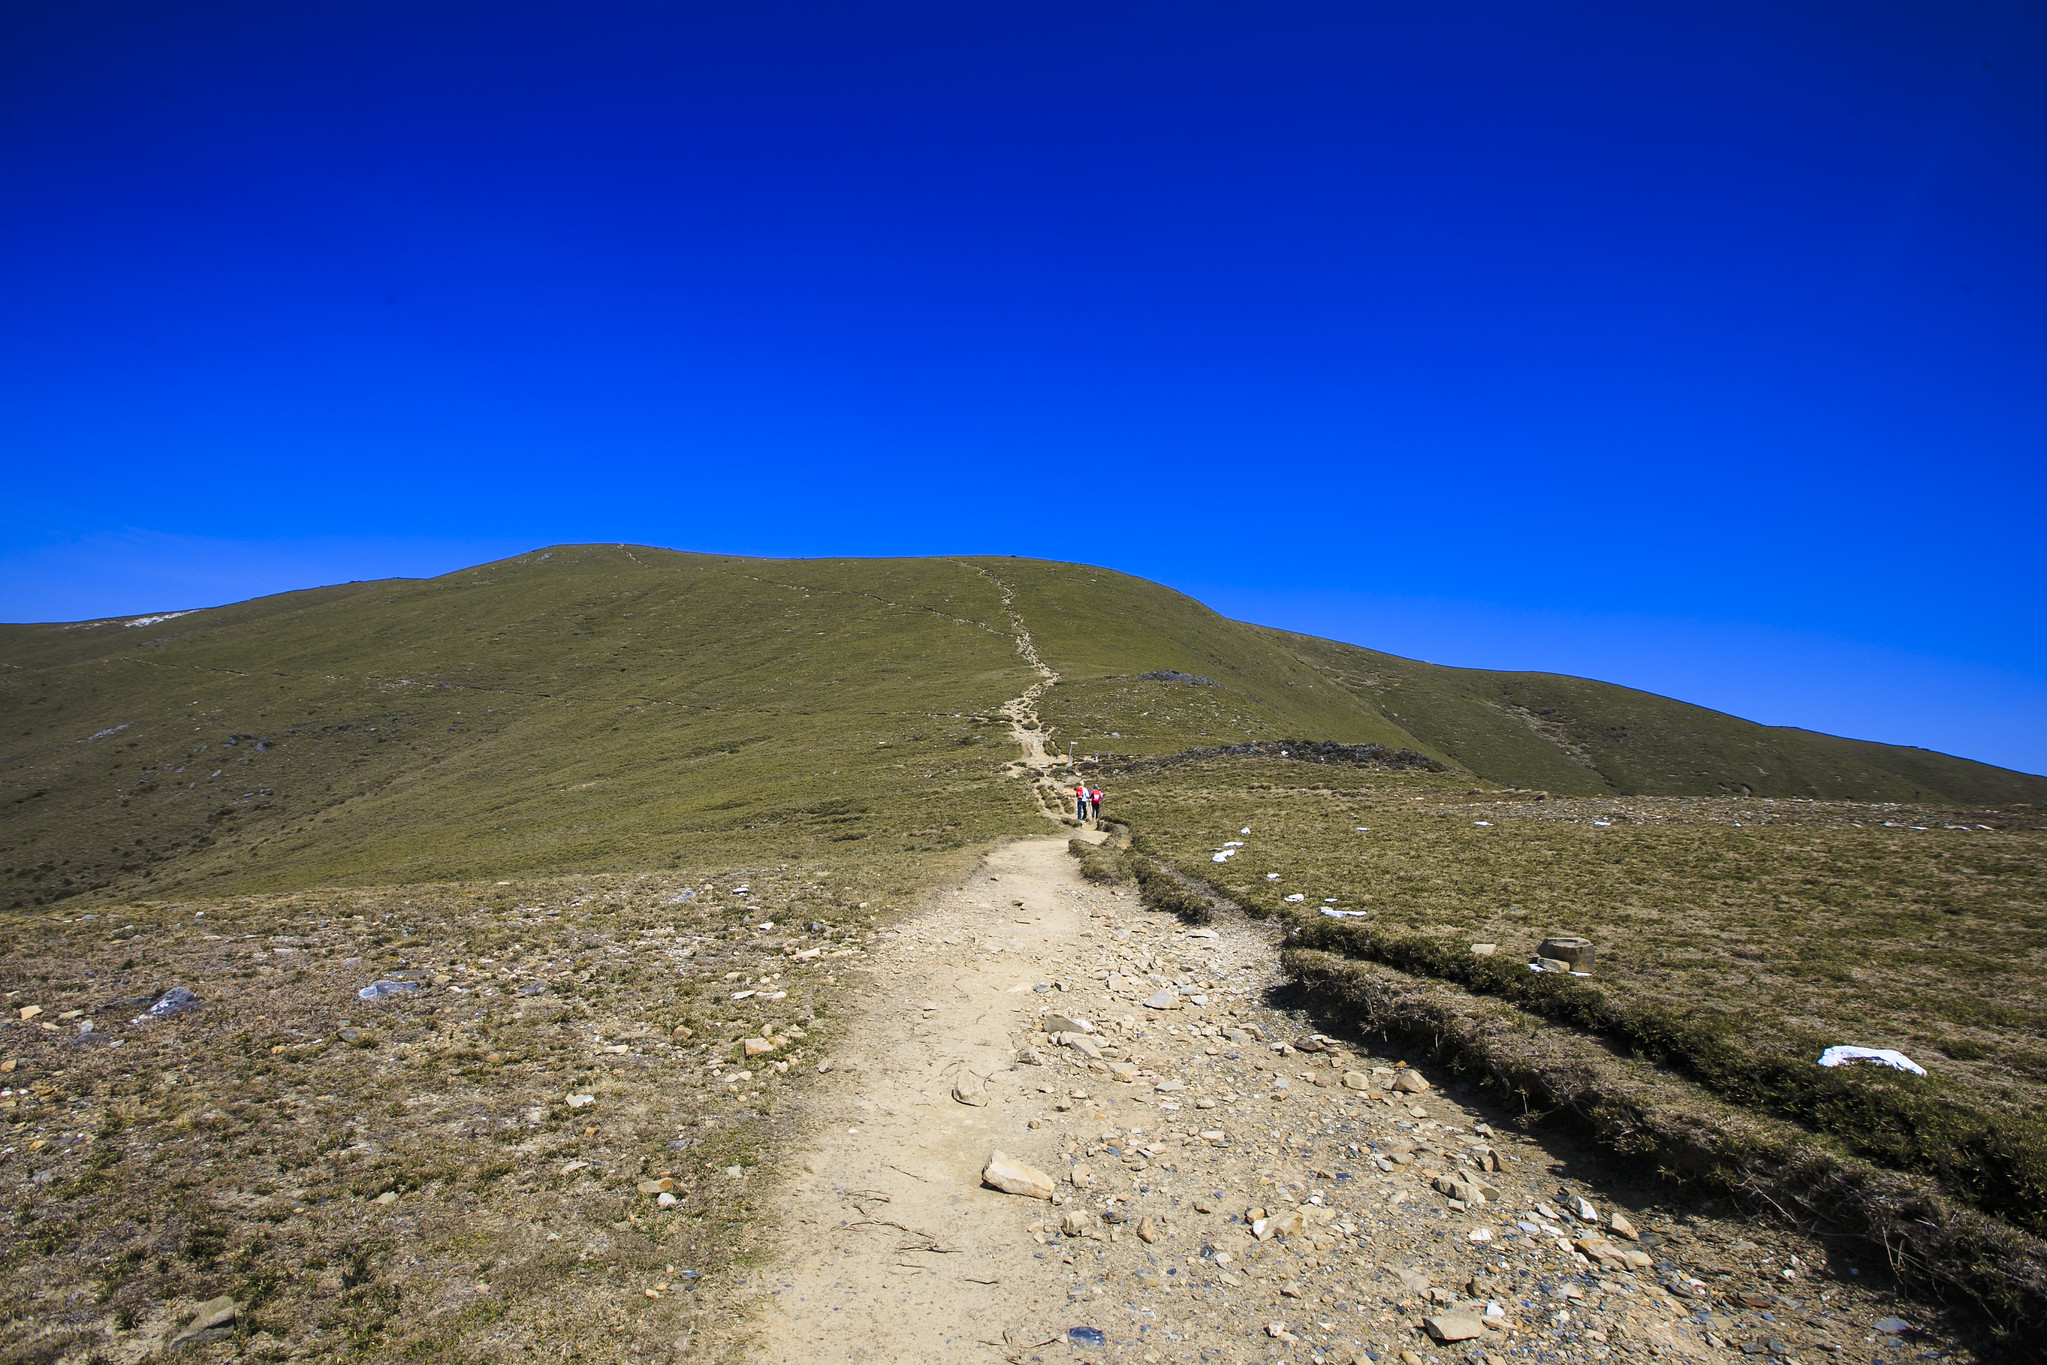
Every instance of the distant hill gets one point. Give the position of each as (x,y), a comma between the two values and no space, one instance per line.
(1103,631)
(594,707)
(1590,738)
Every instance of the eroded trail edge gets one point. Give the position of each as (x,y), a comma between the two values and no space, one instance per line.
(1231,1186)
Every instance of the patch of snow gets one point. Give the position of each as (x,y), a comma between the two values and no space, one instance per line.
(1843,1055)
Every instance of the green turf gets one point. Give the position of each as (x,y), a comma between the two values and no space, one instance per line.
(585,708)
(592,708)
(1588,738)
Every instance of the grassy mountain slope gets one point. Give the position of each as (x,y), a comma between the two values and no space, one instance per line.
(1102,630)
(585,707)
(1583,737)
(609,707)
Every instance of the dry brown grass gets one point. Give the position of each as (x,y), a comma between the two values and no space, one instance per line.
(1788,918)
(243,1149)
(1736,939)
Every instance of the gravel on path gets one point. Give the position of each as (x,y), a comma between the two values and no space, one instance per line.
(1230,1186)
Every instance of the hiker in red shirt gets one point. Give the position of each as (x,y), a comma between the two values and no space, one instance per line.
(1094,801)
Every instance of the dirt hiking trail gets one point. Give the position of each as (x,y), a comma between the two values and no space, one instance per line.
(1200,1106)
(1026,729)
(1230,1184)
(897,1253)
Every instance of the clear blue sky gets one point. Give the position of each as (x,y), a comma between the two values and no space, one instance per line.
(1701,347)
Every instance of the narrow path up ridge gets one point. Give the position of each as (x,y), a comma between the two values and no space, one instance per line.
(1025,727)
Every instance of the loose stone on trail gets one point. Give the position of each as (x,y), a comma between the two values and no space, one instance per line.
(1080,1043)
(1006,1173)
(1447,1327)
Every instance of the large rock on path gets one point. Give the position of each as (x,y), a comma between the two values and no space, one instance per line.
(1011,1176)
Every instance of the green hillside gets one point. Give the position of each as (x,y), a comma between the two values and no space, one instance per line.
(608,707)
(1102,631)
(584,707)
(1591,738)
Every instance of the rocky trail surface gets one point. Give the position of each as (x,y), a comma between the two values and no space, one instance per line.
(1226,1183)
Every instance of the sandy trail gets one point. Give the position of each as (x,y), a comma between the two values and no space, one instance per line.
(896,1252)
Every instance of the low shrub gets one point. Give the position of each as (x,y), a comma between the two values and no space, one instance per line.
(1160,889)
(1099,862)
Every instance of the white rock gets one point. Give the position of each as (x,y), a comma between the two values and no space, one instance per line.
(1006,1173)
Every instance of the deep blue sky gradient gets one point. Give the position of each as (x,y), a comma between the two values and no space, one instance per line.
(1699,347)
